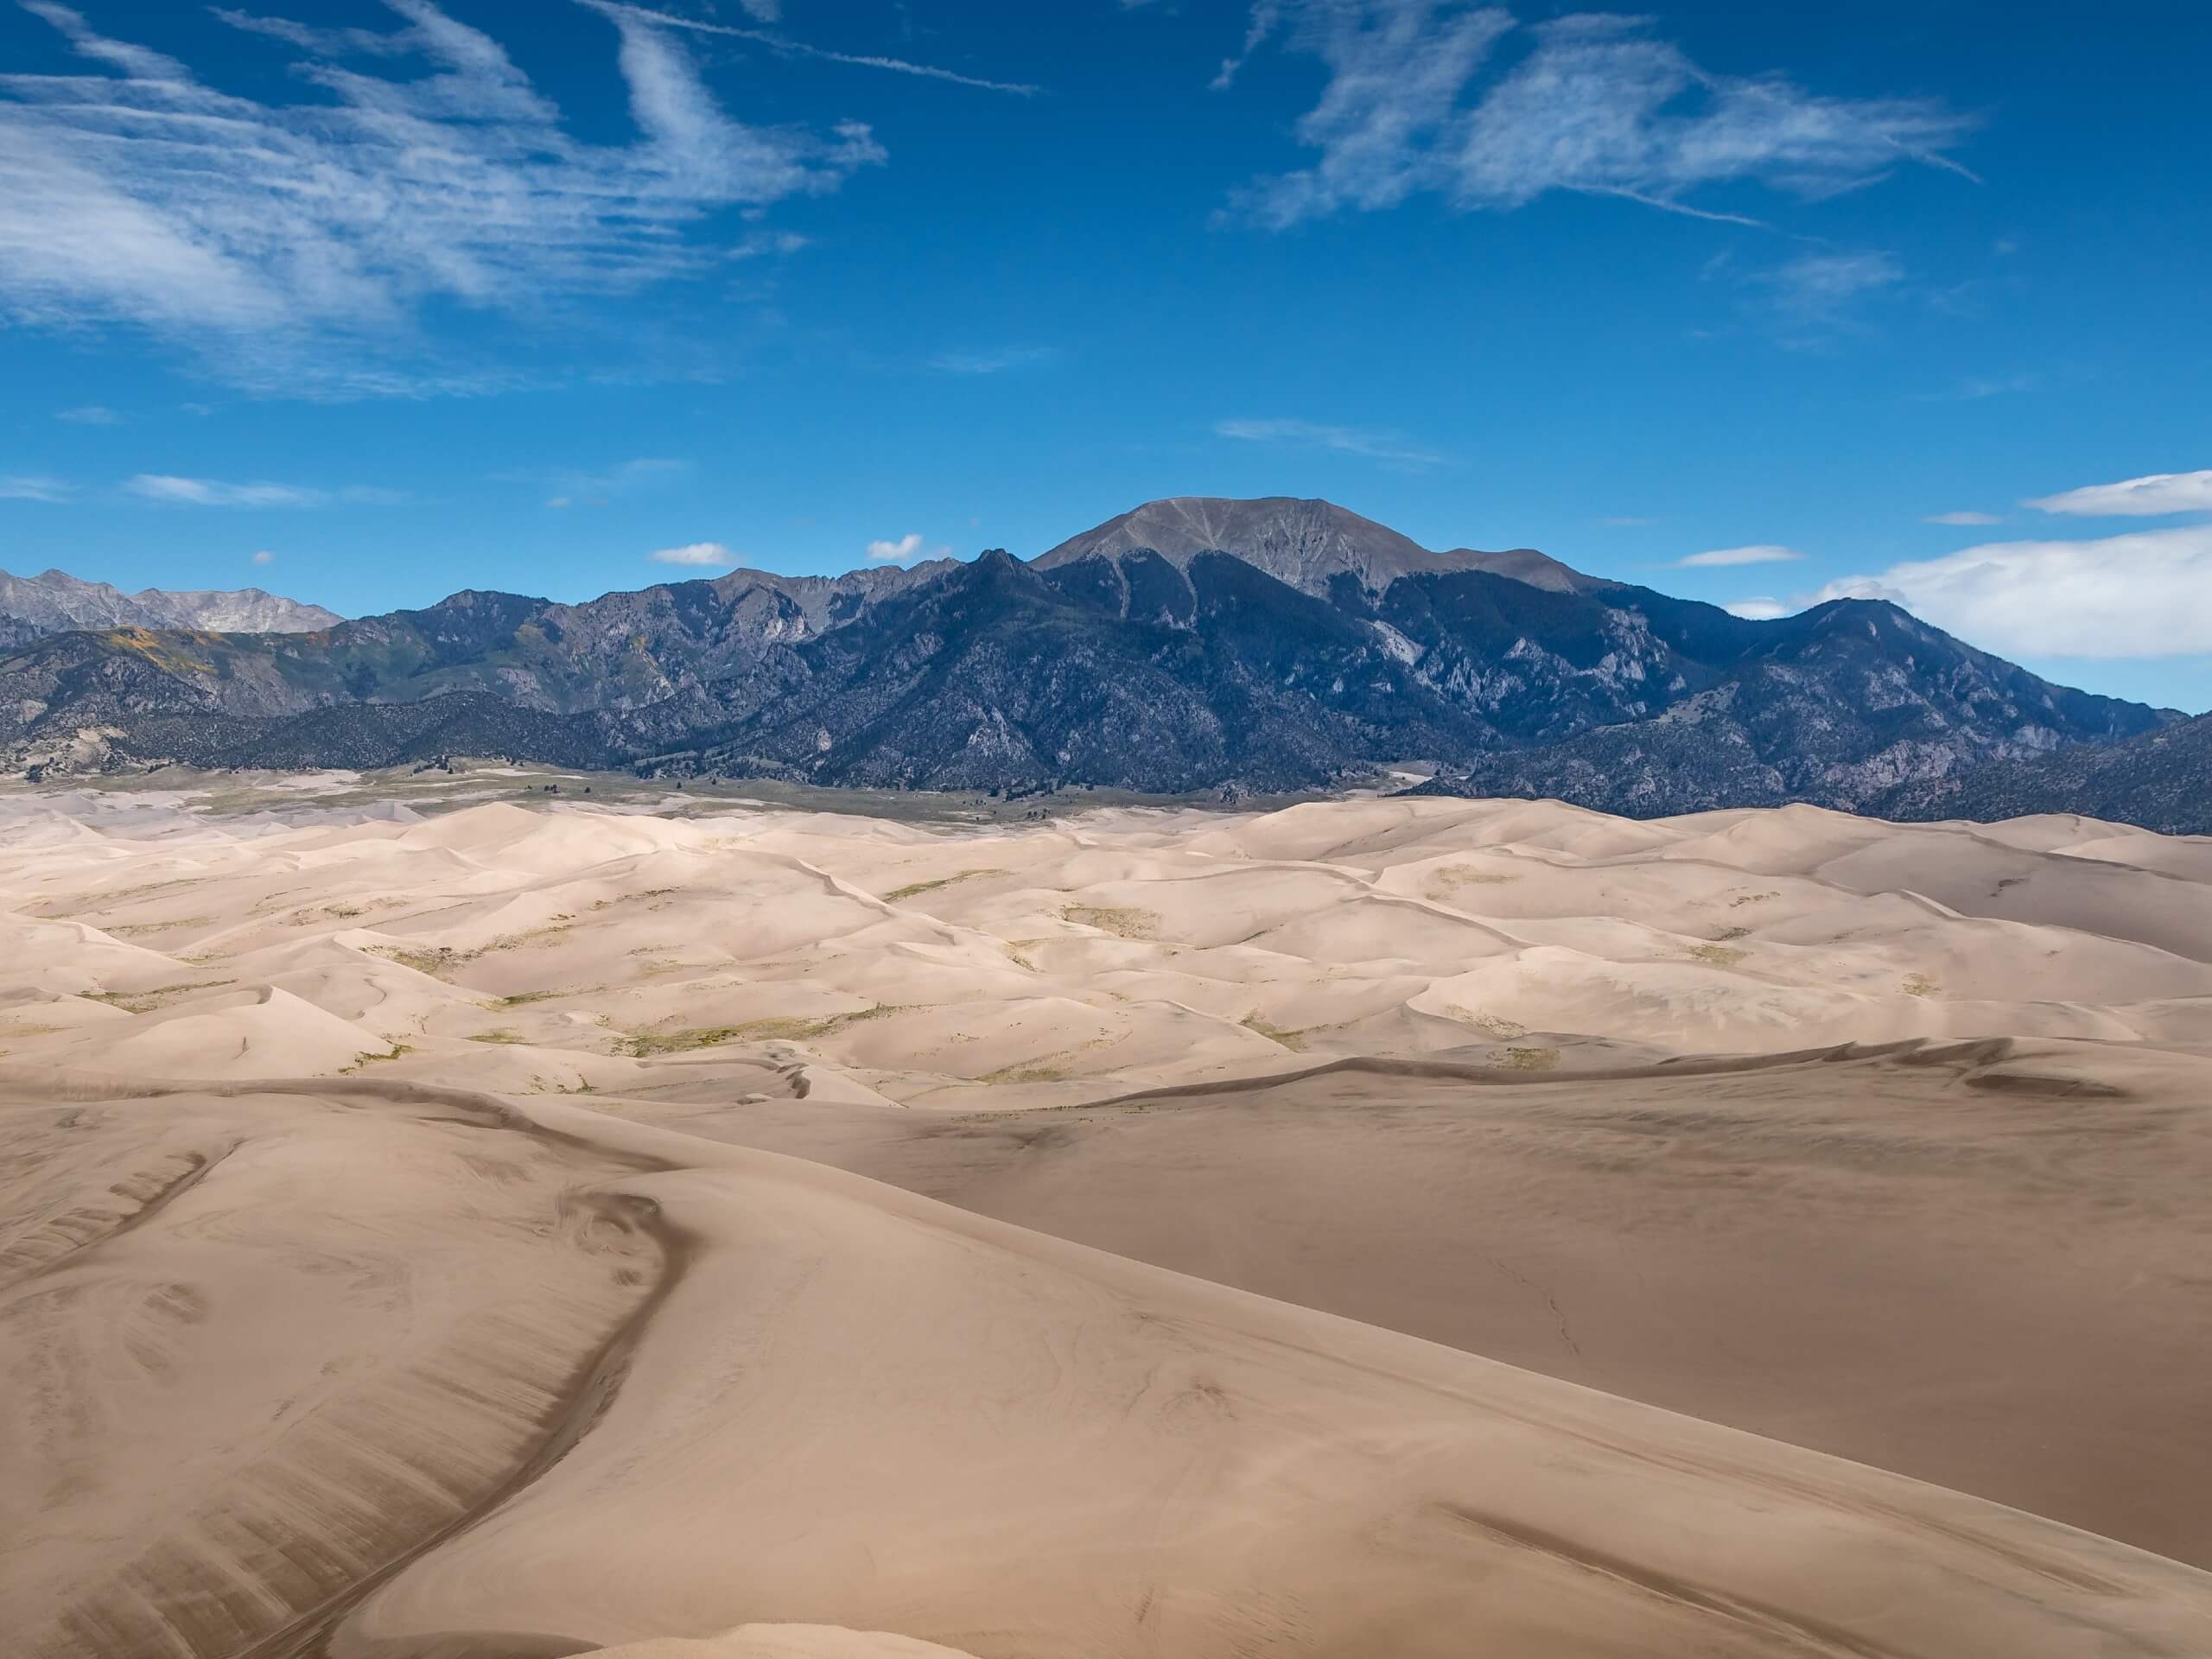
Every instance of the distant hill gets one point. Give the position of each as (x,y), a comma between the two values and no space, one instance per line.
(54,601)
(1305,648)
(2161,780)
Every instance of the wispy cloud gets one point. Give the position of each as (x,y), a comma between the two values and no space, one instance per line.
(1391,448)
(90,414)
(1962,518)
(264,556)
(695,553)
(595,487)
(1819,290)
(173,491)
(21,487)
(2147,594)
(997,361)
(293,244)
(1762,553)
(1596,104)
(2151,497)
(791,49)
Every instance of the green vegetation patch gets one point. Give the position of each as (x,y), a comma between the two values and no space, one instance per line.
(502,1035)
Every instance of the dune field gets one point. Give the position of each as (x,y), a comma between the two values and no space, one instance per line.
(437,1230)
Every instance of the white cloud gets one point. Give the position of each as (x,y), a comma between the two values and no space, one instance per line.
(294,244)
(1392,448)
(1763,608)
(2135,498)
(264,556)
(1962,518)
(898,552)
(1596,105)
(91,415)
(2146,593)
(212,493)
(701,553)
(22,488)
(1764,553)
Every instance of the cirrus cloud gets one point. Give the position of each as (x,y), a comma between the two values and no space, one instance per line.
(297,245)
(1392,448)
(1596,105)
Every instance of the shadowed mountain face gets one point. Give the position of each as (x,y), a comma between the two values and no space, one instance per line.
(54,601)
(1303,646)
(2162,780)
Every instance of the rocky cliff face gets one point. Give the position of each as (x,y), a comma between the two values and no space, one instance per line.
(1308,647)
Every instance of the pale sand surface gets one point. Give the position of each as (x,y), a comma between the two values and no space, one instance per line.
(329,1326)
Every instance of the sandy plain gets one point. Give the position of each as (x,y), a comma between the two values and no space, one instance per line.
(440,1229)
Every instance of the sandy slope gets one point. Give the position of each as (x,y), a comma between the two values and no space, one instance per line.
(357,1338)
(262,1411)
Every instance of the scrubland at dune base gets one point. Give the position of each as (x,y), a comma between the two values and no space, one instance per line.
(1375,1227)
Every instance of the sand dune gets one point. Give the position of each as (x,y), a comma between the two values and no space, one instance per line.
(1375,1227)
(522,949)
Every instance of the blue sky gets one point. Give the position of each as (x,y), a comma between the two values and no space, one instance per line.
(365,303)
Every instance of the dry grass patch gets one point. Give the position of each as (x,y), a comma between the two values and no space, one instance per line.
(502,1035)
(1491,1025)
(158,997)
(914,889)
(1293,1040)
(1448,880)
(139,929)
(1752,899)
(1128,924)
(1919,985)
(1721,955)
(369,1058)
(792,1028)
(1528,1060)
(1026,1074)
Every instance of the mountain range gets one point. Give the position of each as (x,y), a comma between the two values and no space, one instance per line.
(54,601)
(1192,645)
